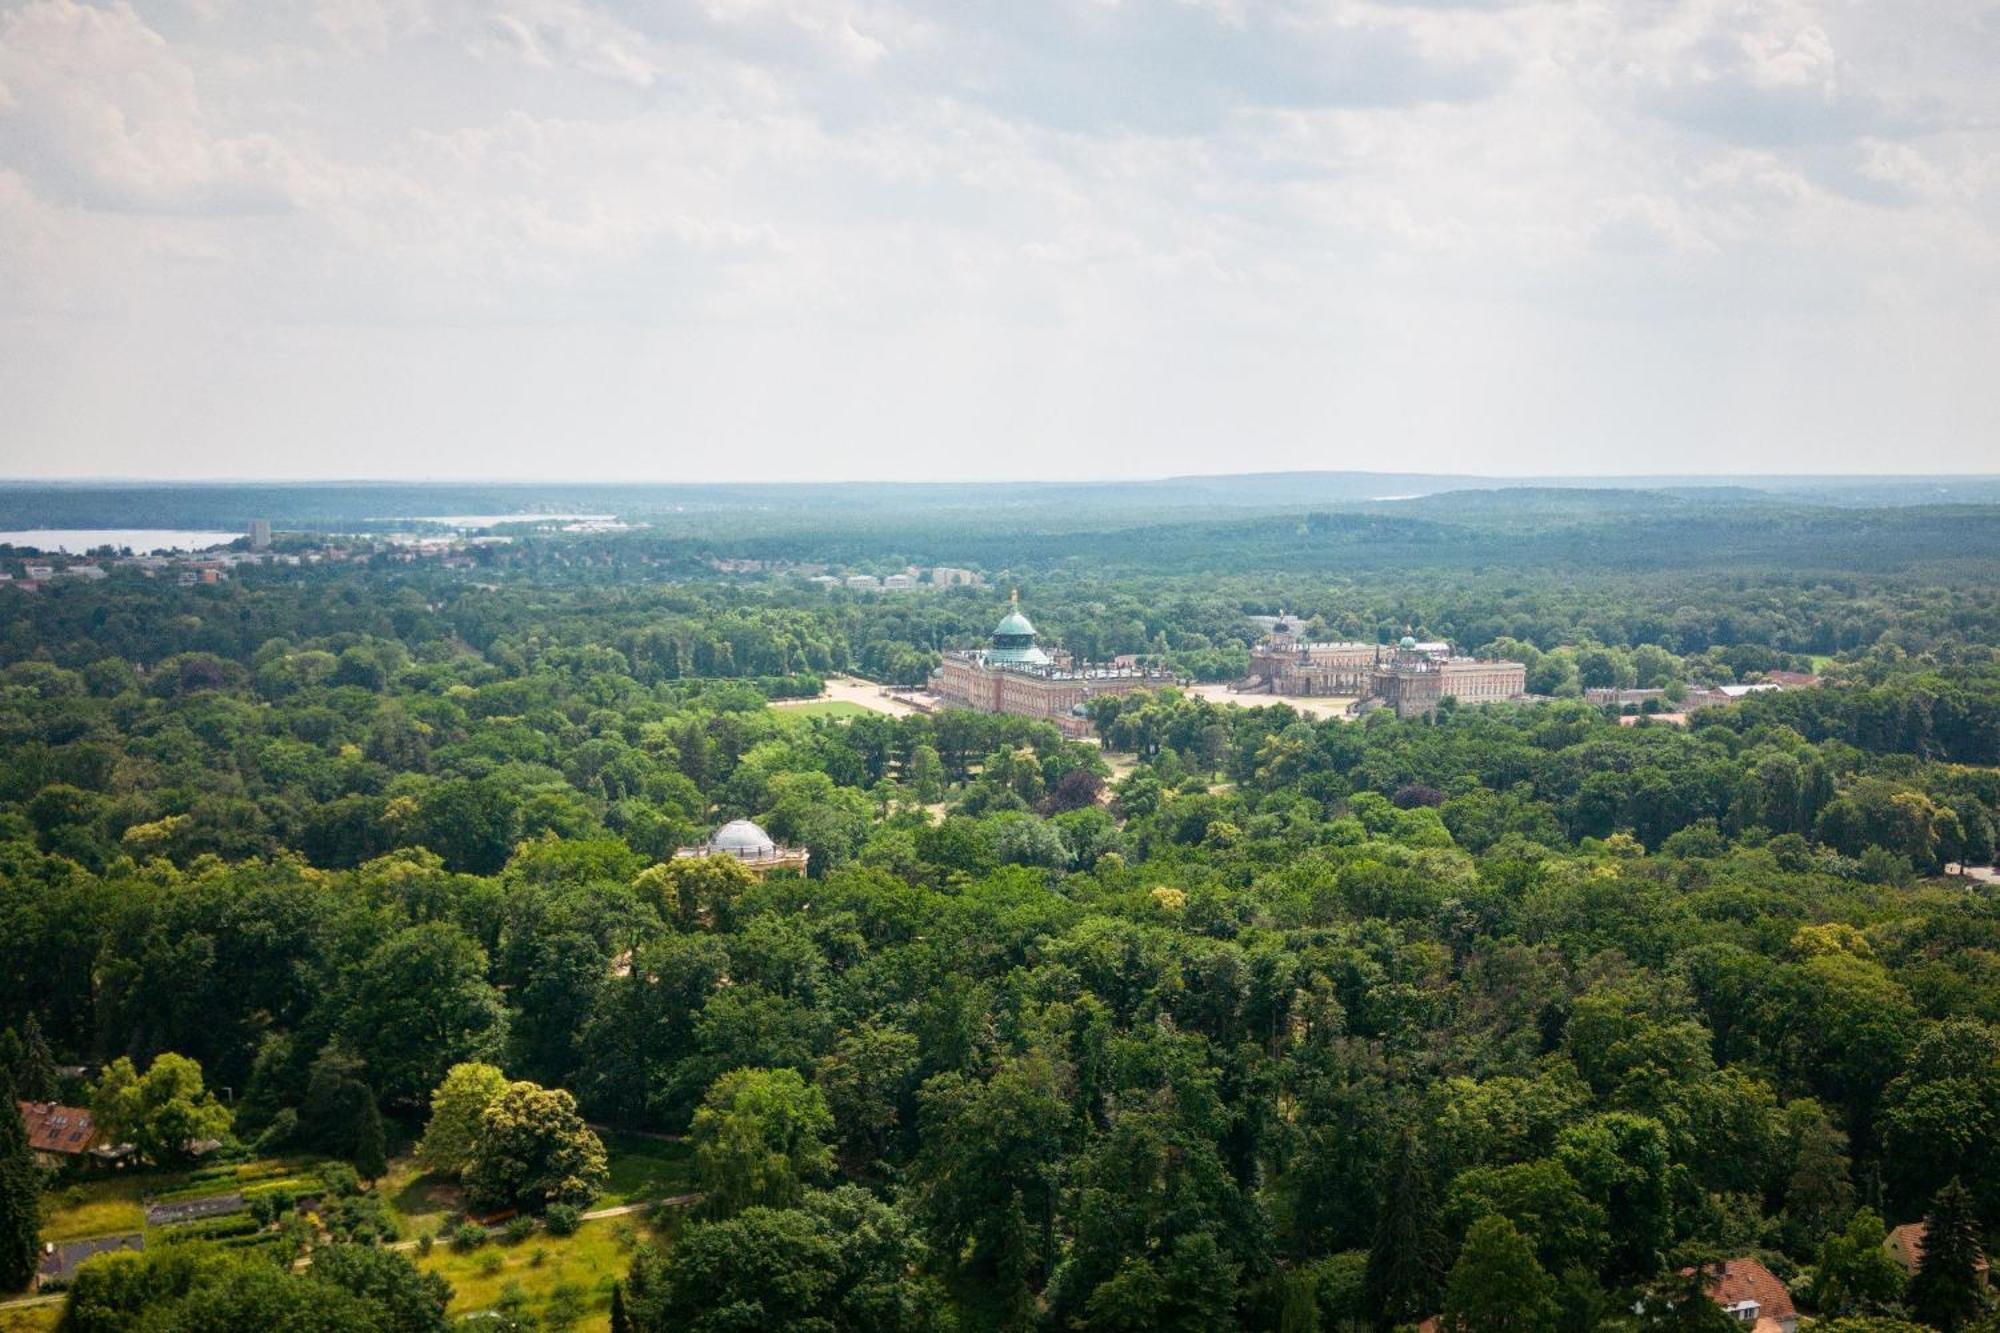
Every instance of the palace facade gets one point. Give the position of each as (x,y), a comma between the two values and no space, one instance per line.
(1412,677)
(1015,674)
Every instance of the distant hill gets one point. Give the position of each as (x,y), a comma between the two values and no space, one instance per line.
(1000,505)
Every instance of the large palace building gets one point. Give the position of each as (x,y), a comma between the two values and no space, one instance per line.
(1411,678)
(1015,674)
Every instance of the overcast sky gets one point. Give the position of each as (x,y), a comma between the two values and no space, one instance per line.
(1024,238)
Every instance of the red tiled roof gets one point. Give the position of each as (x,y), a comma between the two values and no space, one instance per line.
(1906,1243)
(59,1129)
(1741,1280)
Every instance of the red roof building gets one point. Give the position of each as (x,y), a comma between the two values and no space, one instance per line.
(1751,1294)
(63,1130)
(1906,1243)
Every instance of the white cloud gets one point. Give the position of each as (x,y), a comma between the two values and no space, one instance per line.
(1052,232)
(104,111)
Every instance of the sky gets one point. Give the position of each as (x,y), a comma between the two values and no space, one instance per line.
(972,239)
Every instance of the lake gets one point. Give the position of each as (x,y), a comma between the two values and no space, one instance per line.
(143,541)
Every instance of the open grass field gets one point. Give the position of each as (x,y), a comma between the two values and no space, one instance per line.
(96,1207)
(644,1169)
(33,1319)
(840,708)
(545,1269)
(418,1199)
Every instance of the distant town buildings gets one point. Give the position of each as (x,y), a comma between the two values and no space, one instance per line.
(260,534)
(1015,674)
(1412,678)
(948,576)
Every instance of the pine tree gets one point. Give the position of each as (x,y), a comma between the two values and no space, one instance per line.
(371,1158)
(20,1195)
(620,1321)
(1945,1292)
(36,1079)
(1407,1261)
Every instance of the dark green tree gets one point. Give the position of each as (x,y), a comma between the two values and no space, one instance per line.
(371,1151)
(406,1300)
(1406,1264)
(1948,1291)
(419,1004)
(20,1195)
(35,1076)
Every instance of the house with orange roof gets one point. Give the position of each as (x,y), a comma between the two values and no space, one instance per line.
(1906,1244)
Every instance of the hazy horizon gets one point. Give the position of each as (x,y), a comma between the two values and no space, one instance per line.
(1566,479)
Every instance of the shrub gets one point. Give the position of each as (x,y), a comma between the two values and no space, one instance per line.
(563,1219)
(490,1263)
(519,1229)
(340,1179)
(280,1133)
(425,1242)
(468,1236)
(565,1306)
(537,1257)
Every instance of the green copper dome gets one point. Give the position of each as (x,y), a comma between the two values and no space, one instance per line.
(1409,641)
(1014,643)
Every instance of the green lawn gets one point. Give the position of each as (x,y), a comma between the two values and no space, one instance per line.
(590,1261)
(825,708)
(418,1199)
(100,1207)
(34,1319)
(645,1169)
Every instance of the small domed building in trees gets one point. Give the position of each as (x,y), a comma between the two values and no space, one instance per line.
(746,841)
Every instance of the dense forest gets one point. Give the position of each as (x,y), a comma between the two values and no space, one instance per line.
(1520,1016)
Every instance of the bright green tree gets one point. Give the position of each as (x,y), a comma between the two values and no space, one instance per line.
(162,1112)
(457,1106)
(760,1136)
(1497,1285)
(1855,1274)
(533,1149)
